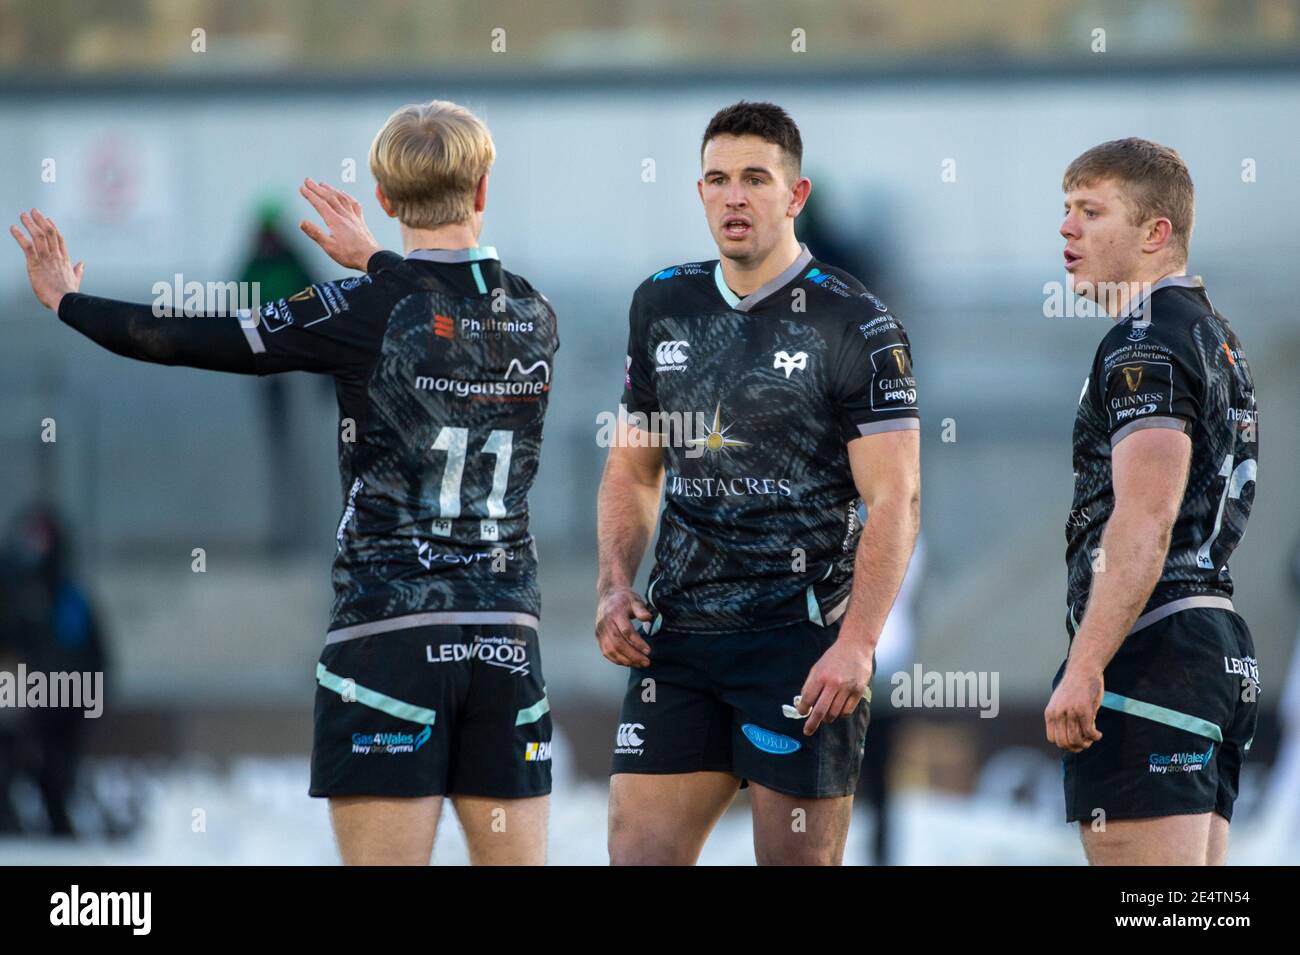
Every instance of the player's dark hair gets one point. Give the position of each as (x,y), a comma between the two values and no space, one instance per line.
(1153,178)
(767,121)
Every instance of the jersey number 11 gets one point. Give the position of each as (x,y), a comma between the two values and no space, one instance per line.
(455,441)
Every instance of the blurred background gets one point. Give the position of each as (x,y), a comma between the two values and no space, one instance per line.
(168,139)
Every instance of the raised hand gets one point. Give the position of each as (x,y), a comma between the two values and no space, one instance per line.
(348,241)
(49,268)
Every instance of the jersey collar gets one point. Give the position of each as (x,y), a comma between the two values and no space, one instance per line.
(474,254)
(1181,281)
(753,298)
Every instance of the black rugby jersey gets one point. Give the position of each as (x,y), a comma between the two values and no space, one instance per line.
(442,363)
(1172,362)
(755,399)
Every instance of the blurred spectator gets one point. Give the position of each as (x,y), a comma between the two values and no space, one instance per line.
(855,254)
(279,272)
(47,623)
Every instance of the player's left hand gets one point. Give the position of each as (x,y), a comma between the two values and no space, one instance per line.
(1071,713)
(348,240)
(49,268)
(835,685)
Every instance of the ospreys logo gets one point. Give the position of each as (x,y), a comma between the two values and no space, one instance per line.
(1132,376)
(784,361)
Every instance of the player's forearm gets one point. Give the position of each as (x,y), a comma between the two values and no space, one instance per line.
(1133,550)
(626,510)
(879,566)
(216,343)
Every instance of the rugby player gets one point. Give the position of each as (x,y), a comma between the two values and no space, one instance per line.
(752,649)
(430,683)
(1156,702)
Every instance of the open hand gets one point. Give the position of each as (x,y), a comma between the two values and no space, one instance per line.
(347,240)
(49,268)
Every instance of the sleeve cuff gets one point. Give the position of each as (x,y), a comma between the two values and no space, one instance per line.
(893,424)
(252,333)
(1158,421)
(67,303)
(383,259)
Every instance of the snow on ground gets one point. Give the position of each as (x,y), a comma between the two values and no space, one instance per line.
(257,812)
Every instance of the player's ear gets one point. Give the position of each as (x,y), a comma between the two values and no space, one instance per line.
(480,194)
(799,196)
(383,202)
(1158,233)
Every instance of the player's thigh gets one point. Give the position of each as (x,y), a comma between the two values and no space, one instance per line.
(385,830)
(1242,673)
(664,819)
(1164,840)
(760,673)
(798,830)
(383,716)
(502,738)
(1170,742)
(1217,851)
(504,831)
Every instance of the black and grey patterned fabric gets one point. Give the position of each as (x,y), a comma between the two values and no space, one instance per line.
(1172,362)
(442,363)
(755,400)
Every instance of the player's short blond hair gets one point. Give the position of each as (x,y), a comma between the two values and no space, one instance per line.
(1152,178)
(428,159)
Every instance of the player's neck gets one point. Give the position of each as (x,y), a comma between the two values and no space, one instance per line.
(461,235)
(1139,287)
(745,277)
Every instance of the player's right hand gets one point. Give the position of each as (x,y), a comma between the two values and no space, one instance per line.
(618,639)
(1071,714)
(348,241)
(49,268)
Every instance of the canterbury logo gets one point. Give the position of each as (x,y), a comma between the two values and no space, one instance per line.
(671,353)
(1133,376)
(627,734)
(517,365)
(900,359)
(788,363)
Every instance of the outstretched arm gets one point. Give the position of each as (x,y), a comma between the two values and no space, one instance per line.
(133,330)
(296,334)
